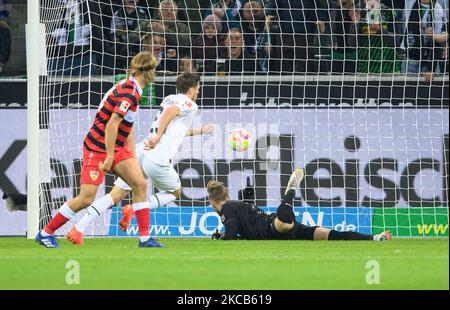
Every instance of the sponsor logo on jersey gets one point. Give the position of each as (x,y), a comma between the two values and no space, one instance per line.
(124,106)
(94,175)
(131,116)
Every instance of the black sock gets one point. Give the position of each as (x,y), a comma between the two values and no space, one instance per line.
(348,235)
(289,198)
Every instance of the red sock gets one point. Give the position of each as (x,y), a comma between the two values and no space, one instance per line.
(56,222)
(143,221)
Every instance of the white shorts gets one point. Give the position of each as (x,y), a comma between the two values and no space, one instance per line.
(164,178)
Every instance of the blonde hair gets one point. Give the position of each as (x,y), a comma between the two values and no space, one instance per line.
(217,191)
(144,65)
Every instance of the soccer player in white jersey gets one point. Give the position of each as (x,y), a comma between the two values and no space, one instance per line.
(155,155)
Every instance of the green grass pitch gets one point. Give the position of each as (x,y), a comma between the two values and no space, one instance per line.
(189,263)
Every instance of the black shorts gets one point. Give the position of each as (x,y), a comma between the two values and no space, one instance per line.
(299,232)
(303,232)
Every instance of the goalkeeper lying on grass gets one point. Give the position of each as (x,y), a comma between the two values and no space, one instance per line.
(244,221)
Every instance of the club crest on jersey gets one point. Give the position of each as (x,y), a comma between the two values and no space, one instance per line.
(188,104)
(223,218)
(94,175)
(124,106)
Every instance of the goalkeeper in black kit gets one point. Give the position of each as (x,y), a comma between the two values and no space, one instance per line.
(244,221)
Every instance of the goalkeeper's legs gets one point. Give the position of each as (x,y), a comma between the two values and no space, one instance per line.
(322,233)
(284,222)
(303,232)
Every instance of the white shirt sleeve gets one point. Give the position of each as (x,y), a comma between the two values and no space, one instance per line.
(185,107)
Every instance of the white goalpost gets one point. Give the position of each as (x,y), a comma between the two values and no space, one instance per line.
(373,141)
(33,74)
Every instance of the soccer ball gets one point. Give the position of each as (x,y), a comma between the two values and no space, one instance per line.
(239,140)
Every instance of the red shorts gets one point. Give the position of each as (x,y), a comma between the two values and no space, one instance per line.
(91,173)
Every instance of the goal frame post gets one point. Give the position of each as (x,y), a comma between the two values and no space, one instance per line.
(33,75)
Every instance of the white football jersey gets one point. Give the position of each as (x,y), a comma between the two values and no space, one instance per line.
(171,140)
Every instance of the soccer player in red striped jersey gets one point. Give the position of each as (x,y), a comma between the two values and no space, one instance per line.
(155,154)
(109,145)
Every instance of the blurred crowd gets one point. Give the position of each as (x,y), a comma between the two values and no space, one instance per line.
(248,36)
(5,33)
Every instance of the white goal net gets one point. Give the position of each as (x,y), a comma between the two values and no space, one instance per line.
(355,92)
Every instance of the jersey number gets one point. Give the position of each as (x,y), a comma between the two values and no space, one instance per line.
(154,128)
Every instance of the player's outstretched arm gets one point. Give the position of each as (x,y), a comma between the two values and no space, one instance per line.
(205,130)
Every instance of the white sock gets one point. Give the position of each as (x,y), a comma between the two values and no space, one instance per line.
(140,205)
(94,211)
(144,238)
(65,211)
(44,234)
(161,199)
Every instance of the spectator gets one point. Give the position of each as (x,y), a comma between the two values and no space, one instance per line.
(321,46)
(192,11)
(269,8)
(298,22)
(105,58)
(152,27)
(153,8)
(187,64)
(5,33)
(156,28)
(155,43)
(344,38)
(422,20)
(125,32)
(260,35)
(228,12)
(376,44)
(73,31)
(442,60)
(209,45)
(176,33)
(237,59)
(444,5)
